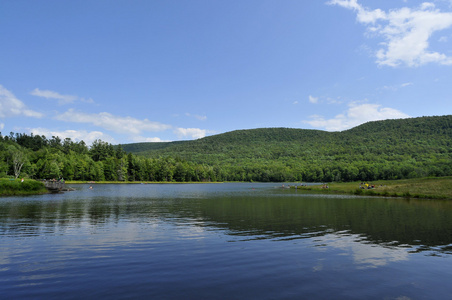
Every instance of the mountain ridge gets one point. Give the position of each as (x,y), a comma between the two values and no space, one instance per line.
(389,149)
(269,134)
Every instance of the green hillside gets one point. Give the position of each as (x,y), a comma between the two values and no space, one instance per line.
(143,147)
(390,149)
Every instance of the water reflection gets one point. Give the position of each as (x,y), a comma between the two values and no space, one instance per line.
(364,254)
(221,241)
(241,212)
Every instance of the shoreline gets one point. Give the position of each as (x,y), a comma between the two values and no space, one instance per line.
(418,188)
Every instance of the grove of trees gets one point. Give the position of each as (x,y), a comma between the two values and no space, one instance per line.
(37,157)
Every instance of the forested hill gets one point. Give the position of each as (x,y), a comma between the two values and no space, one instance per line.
(389,149)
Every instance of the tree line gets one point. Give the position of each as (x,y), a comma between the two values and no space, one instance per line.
(37,157)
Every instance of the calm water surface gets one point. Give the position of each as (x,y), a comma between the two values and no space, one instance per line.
(222,241)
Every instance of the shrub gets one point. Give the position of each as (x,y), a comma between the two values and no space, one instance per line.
(15,186)
(358,191)
(407,195)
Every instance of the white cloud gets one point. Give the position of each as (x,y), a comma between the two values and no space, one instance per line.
(356,114)
(194,133)
(313,99)
(11,106)
(76,135)
(62,99)
(127,125)
(142,139)
(406,32)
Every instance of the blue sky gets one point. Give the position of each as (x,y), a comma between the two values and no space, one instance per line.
(166,70)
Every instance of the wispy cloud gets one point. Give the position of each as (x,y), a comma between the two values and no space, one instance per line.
(62,99)
(199,117)
(10,106)
(313,99)
(355,115)
(117,124)
(397,86)
(406,32)
(323,100)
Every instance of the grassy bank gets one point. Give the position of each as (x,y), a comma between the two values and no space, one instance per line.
(10,187)
(427,188)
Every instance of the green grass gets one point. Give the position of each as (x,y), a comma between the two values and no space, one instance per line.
(427,188)
(9,187)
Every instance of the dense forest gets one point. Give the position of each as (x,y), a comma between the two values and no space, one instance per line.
(37,157)
(390,149)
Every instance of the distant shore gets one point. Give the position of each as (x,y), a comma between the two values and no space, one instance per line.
(422,188)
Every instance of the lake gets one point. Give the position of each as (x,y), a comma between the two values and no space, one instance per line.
(222,241)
